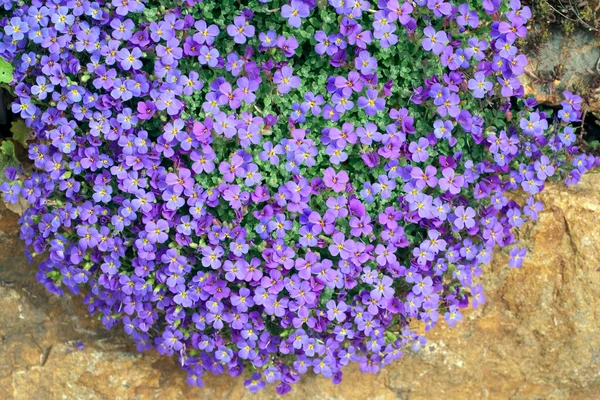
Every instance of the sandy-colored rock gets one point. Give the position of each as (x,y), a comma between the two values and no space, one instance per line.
(535,338)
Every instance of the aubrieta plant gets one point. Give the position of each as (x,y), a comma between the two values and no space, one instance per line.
(277,186)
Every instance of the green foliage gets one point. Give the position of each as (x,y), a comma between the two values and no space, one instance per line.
(20,132)
(7,156)
(6,71)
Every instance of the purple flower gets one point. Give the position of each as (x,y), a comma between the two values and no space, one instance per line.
(516,257)
(208,56)
(384,186)
(439,7)
(88,237)
(479,85)
(452,316)
(349,85)
(223,355)
(240,30)
(294,12)
(234,64)
(467,17)
(130,59)
(11,192)
(335,181)
(424,178)
(365,63)
(325,44)
(567,114)
(434,41)
(225,219)
(449,105)
(372,103)
(157,231)
(230,97)
(206,33)
(422,286)
(285,80)
(268,39)
(255,383)
(288,45)
(172,339)
(386,36)
(235,196)
(17,28)
(451,182)
(476,49)
(212,257)
(336,311)
(42,88)
(513,30)
(544,168)
(102,193)
(419,150)
(464,217)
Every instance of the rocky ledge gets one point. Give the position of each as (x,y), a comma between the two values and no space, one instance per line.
(565,63)
(535,338)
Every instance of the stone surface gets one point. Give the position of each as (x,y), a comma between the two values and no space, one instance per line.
(579,57)
(535,338)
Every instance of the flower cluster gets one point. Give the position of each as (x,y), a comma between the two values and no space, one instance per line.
(277,185)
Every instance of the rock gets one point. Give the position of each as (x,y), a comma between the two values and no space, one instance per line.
(535,338)
(578,56)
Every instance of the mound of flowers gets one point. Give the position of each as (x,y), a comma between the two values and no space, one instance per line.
(277,186)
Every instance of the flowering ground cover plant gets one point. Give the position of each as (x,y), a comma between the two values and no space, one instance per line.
(277,186)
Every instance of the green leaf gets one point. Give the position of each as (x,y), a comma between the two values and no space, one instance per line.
(6,71)
(7,148)
(390,337)
(20,132)
(7,156)
(326,296)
